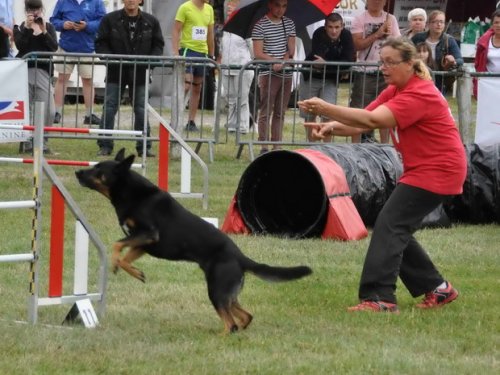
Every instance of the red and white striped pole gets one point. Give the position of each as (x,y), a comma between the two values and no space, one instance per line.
(73,163)
(56,129)
(56,243)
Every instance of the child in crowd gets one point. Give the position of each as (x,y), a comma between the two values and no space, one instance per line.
(424,53)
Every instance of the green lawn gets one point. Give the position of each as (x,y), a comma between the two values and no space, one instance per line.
(167,326)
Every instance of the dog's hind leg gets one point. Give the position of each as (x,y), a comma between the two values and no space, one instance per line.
(126,263)
(224,281)
(222,304)
(228,320)
(243,316)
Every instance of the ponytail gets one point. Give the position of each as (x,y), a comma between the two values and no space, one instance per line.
(421,70)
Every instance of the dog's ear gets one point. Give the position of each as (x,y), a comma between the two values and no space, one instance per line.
(126,163)
(120,155)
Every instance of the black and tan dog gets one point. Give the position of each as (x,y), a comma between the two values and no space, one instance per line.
(156,224)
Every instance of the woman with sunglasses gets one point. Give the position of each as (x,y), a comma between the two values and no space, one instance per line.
(434,168)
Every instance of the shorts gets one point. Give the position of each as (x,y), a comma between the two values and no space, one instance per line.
(68,65)
(365,88)
(326,90)
(195,70)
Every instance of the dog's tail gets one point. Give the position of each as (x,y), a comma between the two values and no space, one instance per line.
(271,273)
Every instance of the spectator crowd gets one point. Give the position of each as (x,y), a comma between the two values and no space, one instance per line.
(85,28)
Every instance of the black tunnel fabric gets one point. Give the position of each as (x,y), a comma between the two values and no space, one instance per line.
(283,192)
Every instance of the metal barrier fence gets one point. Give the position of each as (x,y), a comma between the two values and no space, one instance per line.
(220,102)
(347,78)
(164,89)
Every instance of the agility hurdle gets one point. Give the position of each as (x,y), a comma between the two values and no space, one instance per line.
(187,153)
(164,147)
(60,129)
(28,257)
(74,163)
(84,234)
(71,163)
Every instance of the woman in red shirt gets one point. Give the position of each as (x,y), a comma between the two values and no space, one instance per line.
(434,168)
(488,49)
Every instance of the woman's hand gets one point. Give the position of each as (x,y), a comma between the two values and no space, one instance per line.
(277,67)
(320,130)
(314,105)
(30,20)
(449,62)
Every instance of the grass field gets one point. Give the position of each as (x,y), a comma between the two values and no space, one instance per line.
(167,325)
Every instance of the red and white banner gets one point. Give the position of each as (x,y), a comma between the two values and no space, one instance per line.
(488,112)
(14,98)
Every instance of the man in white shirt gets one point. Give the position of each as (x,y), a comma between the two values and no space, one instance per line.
(236,51)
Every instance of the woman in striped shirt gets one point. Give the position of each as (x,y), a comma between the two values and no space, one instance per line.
(273,39)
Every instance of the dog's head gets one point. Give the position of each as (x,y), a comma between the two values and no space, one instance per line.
(103,176)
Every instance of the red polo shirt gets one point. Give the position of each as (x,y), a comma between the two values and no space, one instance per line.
(426,136)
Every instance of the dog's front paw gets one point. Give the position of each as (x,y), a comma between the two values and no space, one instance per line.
(139,275)
(115,264)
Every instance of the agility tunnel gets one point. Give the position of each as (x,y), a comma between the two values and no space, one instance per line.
(295,194)
(334,190)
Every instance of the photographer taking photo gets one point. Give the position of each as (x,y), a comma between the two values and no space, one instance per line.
(37,35)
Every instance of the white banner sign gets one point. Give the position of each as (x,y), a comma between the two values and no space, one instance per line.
(402,7)
(488,112)
(349,9)
(14,98)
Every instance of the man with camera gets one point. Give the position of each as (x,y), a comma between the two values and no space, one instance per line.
(37,35)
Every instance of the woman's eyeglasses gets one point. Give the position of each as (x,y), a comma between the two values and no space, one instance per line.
(389,63)
(438,22)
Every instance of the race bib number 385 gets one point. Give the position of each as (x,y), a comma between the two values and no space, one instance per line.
(199,33)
